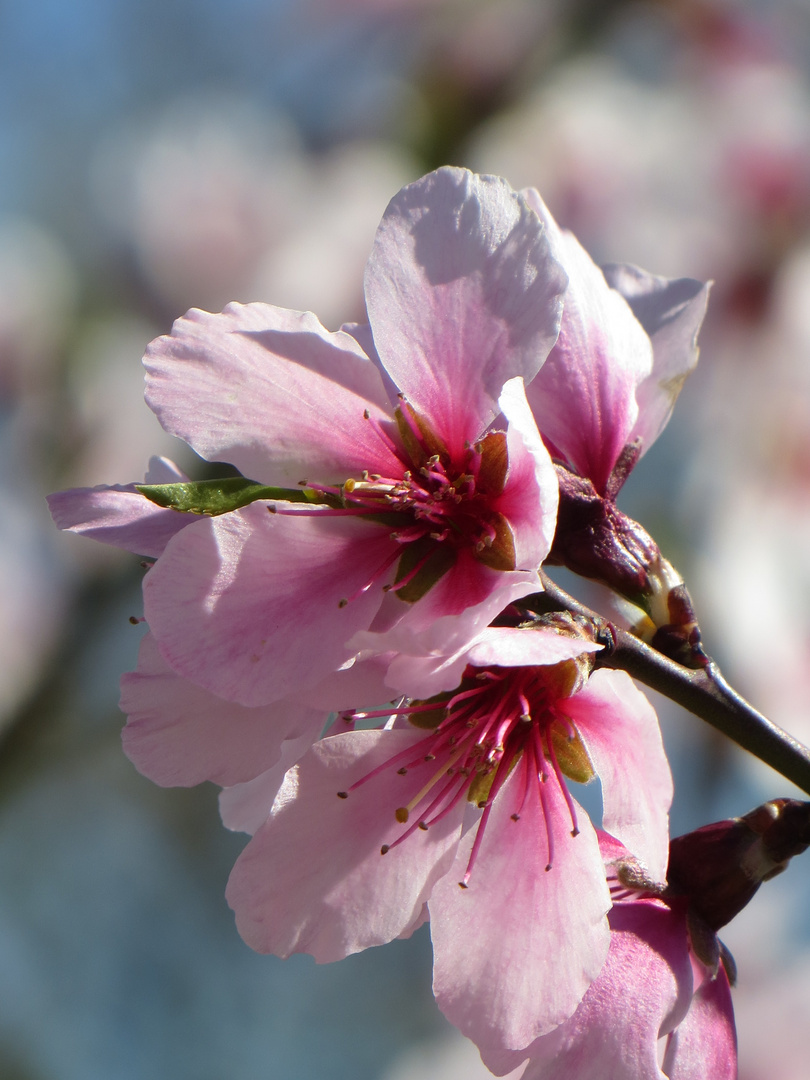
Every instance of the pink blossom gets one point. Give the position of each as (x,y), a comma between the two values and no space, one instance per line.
(627,342)
(651,988)
(179,734)
(463,301)
(469,789)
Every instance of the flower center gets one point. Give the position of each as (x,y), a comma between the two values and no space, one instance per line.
(498,720)
(437,507)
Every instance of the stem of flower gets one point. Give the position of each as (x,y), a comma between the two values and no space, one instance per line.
(703,692)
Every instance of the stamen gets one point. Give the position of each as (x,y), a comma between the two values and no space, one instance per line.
(389,764)
(500,777)
(420,823)
(415,532)
(479,836)
(563,787)
(409,576)
(404,710)
(378,573)
(429,785)
(529,765)
(547,817)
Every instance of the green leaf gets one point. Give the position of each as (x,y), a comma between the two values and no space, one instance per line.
(213,497)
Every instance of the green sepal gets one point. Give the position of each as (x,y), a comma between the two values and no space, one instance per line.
(214,497)
(438,560)
(494,463)
(500,554)
(430,719)
(572,757)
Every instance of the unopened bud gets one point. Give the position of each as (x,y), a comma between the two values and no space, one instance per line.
(720,866)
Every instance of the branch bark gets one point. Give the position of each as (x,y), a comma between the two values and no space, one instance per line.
(704,692)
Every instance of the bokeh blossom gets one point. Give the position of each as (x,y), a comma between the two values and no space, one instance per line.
(374,831)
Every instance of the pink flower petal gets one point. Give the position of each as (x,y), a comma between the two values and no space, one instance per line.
(247,604)
(272,392)
(120,515)
(671,311)
(705,1043)
(180,734)
(245,807)
(420,674)
(531,492)
(643,990)
(462,604)
(584,398)
(313,879)
(515,952)
(504,646)
(462,295)
(361,681)
(622,736)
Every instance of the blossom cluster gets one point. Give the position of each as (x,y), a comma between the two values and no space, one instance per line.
(341,636)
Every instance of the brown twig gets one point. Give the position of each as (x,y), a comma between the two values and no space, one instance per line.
(703,692)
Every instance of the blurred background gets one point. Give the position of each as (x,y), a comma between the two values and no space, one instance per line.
(159,155)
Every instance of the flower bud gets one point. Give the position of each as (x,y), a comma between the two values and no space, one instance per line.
(720,866)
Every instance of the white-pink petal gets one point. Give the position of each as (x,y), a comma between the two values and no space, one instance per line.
(273,393)
(642,992)
(179,734)
(515,951)
(245,807)
(505,646)
(531,491)
(671,312)
(313,879)
(248,605)
(119,516)
(584,398)
(620,730)
(705,1044)
(444,621)
(462,294)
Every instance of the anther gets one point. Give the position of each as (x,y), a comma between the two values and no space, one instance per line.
(384,849)
(366,414)
(343,794)
(423,826)
(515,817)
(342,603)
(402,772)
(401,814)
(135,620)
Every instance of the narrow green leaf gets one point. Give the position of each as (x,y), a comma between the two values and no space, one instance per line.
(213,497)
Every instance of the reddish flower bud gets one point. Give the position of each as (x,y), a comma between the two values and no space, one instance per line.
(721,866)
